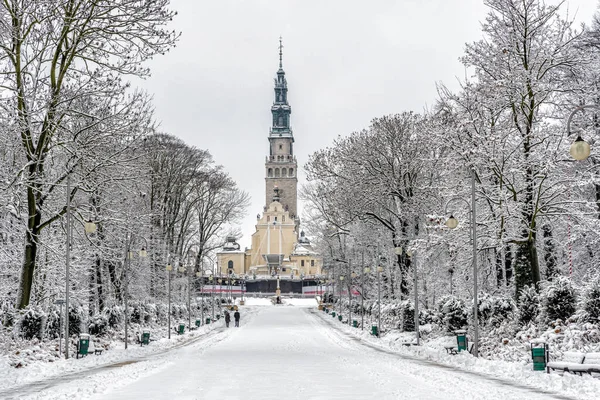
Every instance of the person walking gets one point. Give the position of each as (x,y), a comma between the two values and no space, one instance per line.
(227,319)
(236,316)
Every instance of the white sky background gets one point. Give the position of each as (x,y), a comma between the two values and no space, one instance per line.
(346,62)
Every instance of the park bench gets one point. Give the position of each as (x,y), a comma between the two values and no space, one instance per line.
(92,348)
(453,349)
(576,363)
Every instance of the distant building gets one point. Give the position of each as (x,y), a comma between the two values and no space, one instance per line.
(278,247)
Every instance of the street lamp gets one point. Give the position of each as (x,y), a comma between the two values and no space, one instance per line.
(90,227)
(200,275)
(452,223)
(366,271)
(410,253)
(340,292)
(379,271)
(129,255)
(212,289)
(169,268)
(352,277)
(580,149)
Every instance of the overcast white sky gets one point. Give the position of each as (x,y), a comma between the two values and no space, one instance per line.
(346,62)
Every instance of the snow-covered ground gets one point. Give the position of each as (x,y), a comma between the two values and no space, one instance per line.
(296,352)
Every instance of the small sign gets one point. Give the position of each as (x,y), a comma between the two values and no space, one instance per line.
(59,302)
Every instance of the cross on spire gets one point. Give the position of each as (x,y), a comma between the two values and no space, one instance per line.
(280,53)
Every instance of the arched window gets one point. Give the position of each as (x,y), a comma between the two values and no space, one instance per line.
(280,146)
(270,173)
(291,171)
(276,172)
(280,121)
(284,172)
(230,264)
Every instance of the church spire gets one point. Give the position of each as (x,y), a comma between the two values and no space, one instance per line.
(280,53)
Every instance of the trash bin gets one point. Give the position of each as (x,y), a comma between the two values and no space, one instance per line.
(340,317)
(207,321)
(84,344)
(218,317)
(333,314)
(539,355)
(145,337)
(374,330)
(355,323)
(181,328)
(198,322)
(462,342)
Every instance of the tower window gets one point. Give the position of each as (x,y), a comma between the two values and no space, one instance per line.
(283,172)
(280,146)
(276,172)
(230,264)
(302,263)
(291,171)
(270,172)
(280,121)
(312,263)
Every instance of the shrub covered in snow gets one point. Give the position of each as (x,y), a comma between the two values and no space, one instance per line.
(494,310)
(32,322)
(591,301)
(528,305)
(98,325)
(559,299)
(76,315)
(53,324)
(114,316)
(453,313)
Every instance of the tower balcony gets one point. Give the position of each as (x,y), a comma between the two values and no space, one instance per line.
(286,158)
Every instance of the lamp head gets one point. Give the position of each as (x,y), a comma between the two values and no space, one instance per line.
(143,253)
(367,270)
(580,149)
(452,222)
(89,226)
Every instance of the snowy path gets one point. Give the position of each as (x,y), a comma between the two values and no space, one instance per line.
(287,353)
(282,352)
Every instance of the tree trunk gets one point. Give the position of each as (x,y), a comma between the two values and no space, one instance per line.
(27,270)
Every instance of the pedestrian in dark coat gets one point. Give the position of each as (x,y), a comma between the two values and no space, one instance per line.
(236,316)
(227,319)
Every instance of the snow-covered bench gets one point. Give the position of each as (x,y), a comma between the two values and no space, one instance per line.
(453,349)
(93,349)
(577,363)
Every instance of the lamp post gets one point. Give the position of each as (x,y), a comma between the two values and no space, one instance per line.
(352,277)
(129,255)
(89,227)
(379,271)
(212,289)
(220,281)
(340,292)
(199,274)
(452,223)
(169,268)
(410,253)
(366,271)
